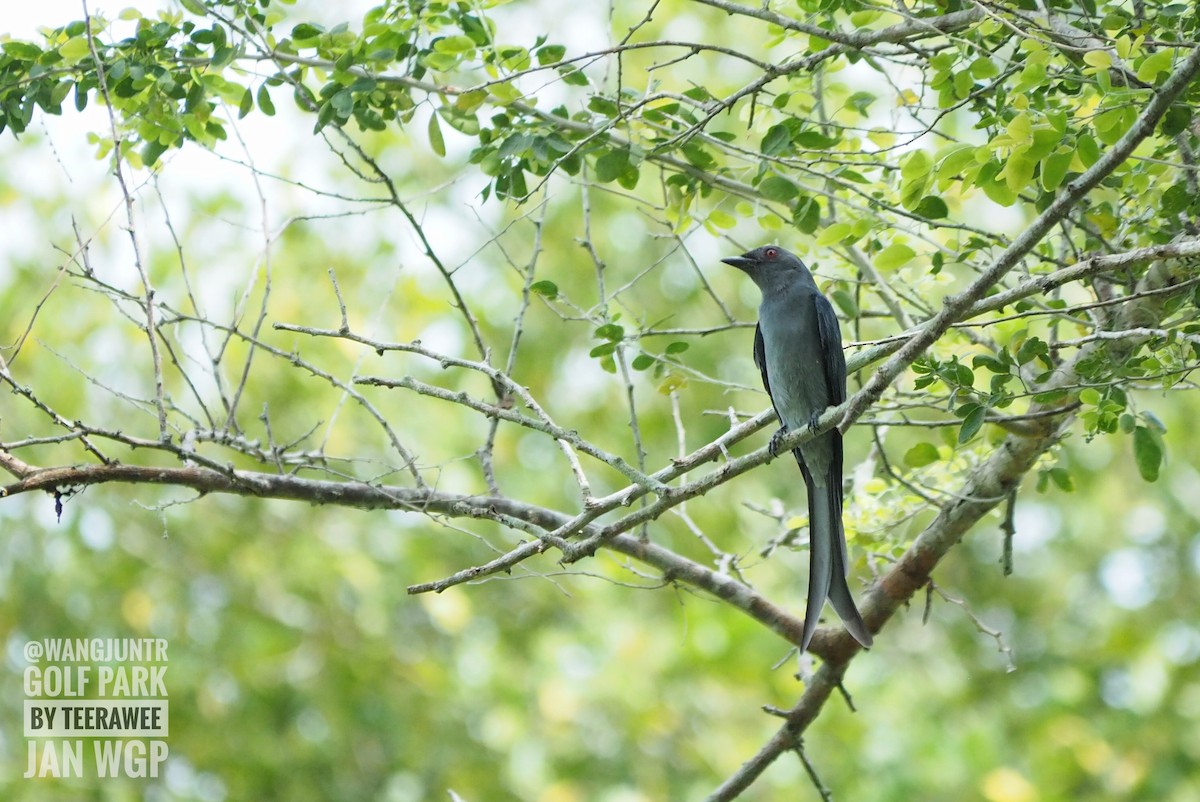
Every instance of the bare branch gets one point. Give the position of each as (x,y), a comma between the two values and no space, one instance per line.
(151,327)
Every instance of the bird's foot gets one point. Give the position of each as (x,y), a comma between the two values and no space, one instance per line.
(814,421)
(776,439)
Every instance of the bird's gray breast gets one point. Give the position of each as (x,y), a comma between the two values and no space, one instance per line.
(794,357)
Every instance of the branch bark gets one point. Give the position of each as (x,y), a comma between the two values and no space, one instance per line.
(993,482)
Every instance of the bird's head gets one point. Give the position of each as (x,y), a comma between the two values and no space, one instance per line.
(767,263)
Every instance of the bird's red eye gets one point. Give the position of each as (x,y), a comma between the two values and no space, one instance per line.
(772,253)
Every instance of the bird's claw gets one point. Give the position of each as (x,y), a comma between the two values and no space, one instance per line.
(776,439)
(814,421)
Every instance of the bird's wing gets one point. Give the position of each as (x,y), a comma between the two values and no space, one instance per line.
(760,359)
(831,349)
(834,364)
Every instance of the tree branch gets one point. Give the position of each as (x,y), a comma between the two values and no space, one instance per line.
(957,306)
(988,485)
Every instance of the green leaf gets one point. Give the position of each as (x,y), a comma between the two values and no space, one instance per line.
(1153,65)
(610,331)
(307,30)
(440,62)
(698,156)
(932,207)
(1111,124)
(513,58)
(1054,170)
(1062,478)
(963,375)
(435,136)
(504,93)
(629,178)
(469,101)
(963,84)
(463,122)
(1100,59)
(363,84)
(672,382)
(1089,151)
(983,67)
(920,455)
(550,54)
(996,190)
(603,349)
(546,289)
(916,165)
(1018,173)
(1049,397)
(972,423)
(915,175)
(222,57)
(611,165)
(1045,141)
(777,188)
(833,234)
(721,219)
(1033,76)
(845,302)
(678,347)
(642,361)
(1176,198)
(860,102)
(991,363)
(264,101)
(324,116)
(602,105)
(894,256)
(247,103)
(1147,452)
(1031,349)
(343,103)
(777,139)
(515,188)
(454,44)
(815,140)
(22,50)
(807,215)
(151,152)
(1176,120)
(954,160)
(75,49)
(572,76)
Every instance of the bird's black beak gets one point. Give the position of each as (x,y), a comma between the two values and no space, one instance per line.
(740,262)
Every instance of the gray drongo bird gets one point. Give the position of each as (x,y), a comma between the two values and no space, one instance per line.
(798,349)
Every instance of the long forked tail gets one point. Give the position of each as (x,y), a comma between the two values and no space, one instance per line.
(828,565)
